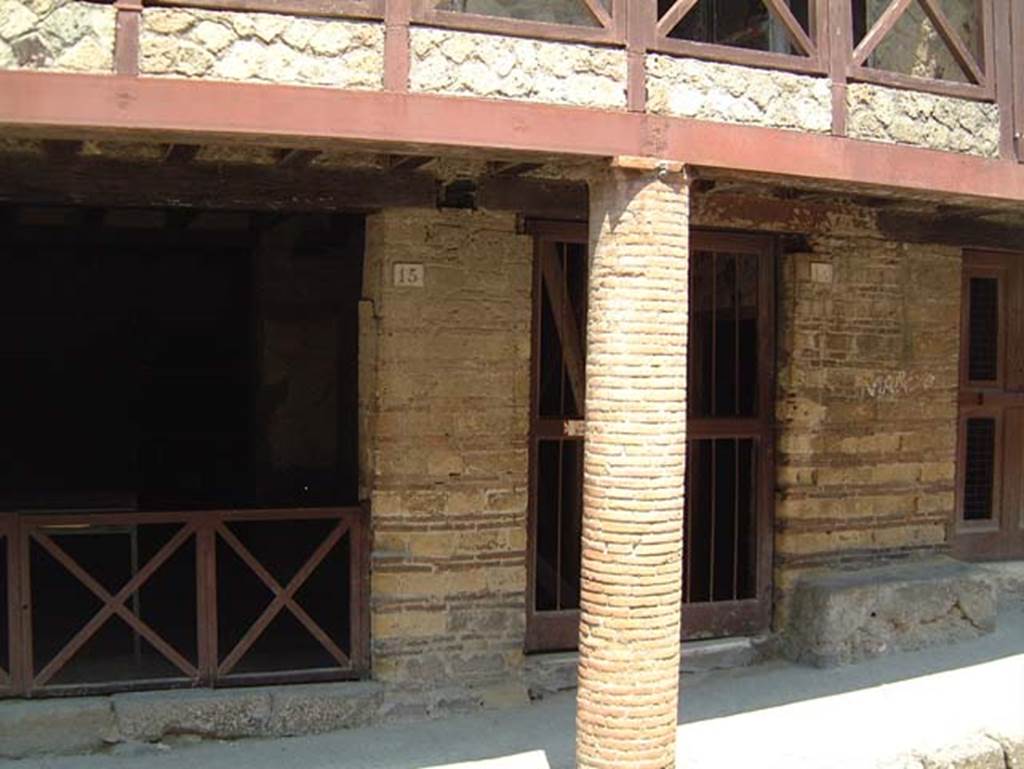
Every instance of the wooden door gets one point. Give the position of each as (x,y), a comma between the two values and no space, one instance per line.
(990,451)
(556,437)
(727,579)
(729,494)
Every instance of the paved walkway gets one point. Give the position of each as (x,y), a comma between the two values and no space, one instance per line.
(921,710)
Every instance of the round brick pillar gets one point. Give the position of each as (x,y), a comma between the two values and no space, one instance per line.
(634,468)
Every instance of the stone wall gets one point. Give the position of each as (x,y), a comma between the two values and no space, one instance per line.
(494,66)
(925,120)
(56,35)
(447,443)
(732,94)
(264,47)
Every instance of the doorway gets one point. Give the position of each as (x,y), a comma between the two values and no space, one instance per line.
(727,558)
(178,466)
(990,450)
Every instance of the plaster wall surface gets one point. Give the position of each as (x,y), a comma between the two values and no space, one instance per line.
(460,63)
(57,35)
(898,116)
(729,93)
(261,47)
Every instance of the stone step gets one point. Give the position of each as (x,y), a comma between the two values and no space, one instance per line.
(1007,577)
(547,674)
(841,617)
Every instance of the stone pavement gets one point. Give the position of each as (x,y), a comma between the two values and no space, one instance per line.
(955,707)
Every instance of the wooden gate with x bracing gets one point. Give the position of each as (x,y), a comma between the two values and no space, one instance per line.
(98,602)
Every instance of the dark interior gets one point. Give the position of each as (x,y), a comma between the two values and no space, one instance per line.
(739,23)
(132,359)
(178,361)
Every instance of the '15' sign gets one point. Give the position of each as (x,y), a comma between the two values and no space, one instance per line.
(408,275)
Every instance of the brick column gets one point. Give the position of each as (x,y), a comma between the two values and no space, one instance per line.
(634,465)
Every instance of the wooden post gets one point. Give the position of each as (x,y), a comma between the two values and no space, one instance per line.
(396,44)
(126,42)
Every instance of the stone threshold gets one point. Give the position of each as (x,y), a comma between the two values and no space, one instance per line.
(123,722)
(547,674)
(117,722)
(1007,577)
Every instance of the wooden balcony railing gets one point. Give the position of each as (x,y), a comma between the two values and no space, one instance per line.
(833,39)
(599,21)
(353,9)
(113,601)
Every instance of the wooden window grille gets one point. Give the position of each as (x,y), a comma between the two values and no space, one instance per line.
(979,468)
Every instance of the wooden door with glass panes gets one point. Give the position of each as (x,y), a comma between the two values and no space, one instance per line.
(990,450)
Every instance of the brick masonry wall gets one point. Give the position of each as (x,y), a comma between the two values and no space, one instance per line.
(866,405)
(445,444)
(867,402)
(494,66)
(728,93)
(56,35)
(223,45)
(866,396)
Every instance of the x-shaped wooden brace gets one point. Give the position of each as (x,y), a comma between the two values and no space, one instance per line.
(114,604)
(599,12)
(595,8)
(895,11)
(283,597)
(780,8)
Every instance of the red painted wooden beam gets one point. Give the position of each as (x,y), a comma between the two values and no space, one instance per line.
(66,105)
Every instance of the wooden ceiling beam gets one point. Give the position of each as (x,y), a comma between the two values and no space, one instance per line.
(407,162)
(181,154)
(269,188)
(296,158)
(511,169)
(62,150)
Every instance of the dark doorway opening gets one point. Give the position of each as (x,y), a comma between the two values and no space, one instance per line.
(180,445)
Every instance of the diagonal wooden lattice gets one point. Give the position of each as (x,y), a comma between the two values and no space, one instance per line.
(556,289)
(114,604)
(284,597)
(799,38)
(896,10)
(598,12)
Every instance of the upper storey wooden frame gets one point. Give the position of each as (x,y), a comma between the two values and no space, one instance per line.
(609,22)
(357,9)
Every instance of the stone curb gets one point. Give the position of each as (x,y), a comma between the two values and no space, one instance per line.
(81,725)
(981,751)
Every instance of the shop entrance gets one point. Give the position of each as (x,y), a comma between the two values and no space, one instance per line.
(178,464)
